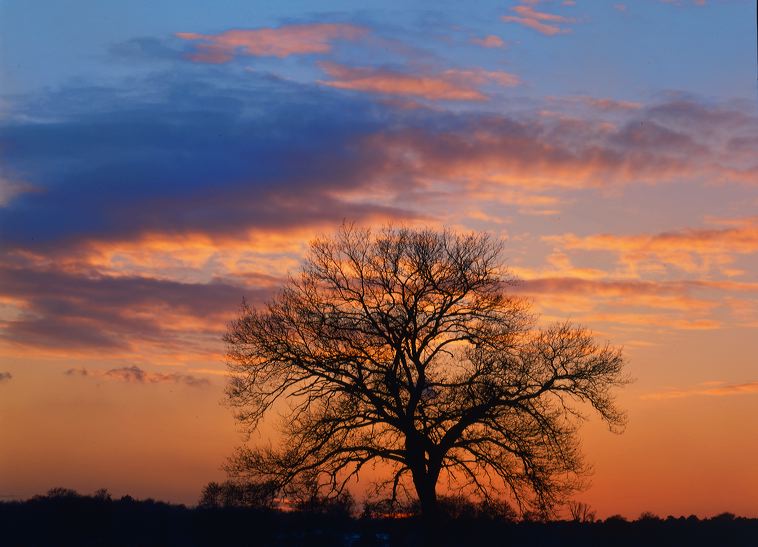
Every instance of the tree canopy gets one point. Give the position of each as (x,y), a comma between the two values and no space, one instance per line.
(405,346)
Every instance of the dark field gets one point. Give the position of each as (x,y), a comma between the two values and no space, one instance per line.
(89,521)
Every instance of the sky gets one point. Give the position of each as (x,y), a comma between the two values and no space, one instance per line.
(159,161)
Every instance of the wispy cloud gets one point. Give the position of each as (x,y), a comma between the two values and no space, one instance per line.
(684,2)
(489,41)
(603,104)
(630,304)
(691,249)
(709,389)
(545,23)
(450,85)
(76,311)
(136,375)
(269,42)
(653,145)
(9,189)
(5,377)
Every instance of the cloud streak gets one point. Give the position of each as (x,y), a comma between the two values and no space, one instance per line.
(93,312)
(136,375)
(545,23)
(489,41)
(691,250)
(269,42)
(449,85)
(711,389)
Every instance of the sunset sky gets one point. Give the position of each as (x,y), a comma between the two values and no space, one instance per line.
(159,161)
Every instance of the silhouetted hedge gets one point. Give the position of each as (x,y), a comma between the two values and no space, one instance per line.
(64,518)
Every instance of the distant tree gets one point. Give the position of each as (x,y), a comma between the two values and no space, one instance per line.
(61,493)
(309,499)
(386,508)
(452,507)
(102,494)
(648,516)
(210,497)
(581,512)
(463,507)
(404,347)
(238,494)
(724,517)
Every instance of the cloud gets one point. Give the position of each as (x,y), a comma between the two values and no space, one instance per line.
(212,174)
(5,377)
(269,42)
(196,160)
(144,49)
(136,375)
(75,311)
(10,189)
(709,389)
(485,153)
(628,303)
(191,158)
(603,104)
(631,305)
(449,85)
(682,2)
(543,22)
(489,41)
(691,249)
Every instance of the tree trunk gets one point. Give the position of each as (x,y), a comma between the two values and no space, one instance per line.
(425,482)
(430,525)
(424,479)
(427,496)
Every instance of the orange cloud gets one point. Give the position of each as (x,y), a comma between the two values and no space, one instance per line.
(709,389)
(594,297)
(629,304)
(692,250)
(490,41)
(270,42)
(542,22)
(620,143)
(506,152)
(449,85)
(118,314)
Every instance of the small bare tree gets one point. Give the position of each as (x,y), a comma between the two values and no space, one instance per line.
(581,512)
(404,347)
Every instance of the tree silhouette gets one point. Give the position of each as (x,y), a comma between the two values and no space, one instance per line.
(404,347)
(581,512)
(233,494)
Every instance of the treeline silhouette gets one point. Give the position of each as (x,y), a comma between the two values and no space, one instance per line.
(228,517)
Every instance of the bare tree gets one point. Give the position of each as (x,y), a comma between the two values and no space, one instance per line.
(238,494)
(403,346)
(581,512)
